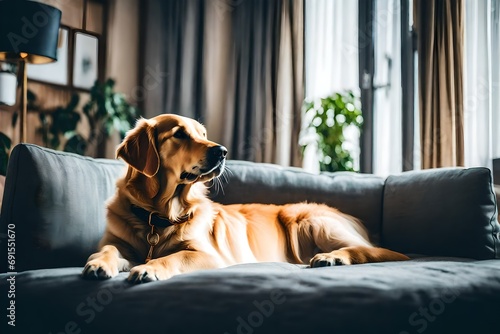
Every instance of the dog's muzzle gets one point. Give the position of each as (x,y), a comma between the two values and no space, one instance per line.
(215,162)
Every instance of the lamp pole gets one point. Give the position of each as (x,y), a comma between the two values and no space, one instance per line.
(24,101)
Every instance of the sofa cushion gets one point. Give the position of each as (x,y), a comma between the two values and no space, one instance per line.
(359,195)
(444,212)
(459,296)
(55,200)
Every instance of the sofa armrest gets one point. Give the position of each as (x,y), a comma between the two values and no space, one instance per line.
(445,212)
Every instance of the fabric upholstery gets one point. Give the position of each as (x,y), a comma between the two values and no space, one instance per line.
(56,201)
(444,212)
(459,296)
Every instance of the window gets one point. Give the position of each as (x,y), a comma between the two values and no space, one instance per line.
(379,49)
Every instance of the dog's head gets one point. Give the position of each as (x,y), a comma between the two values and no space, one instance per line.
(166,152)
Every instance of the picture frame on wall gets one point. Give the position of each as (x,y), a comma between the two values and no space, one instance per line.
(57,72)
(85,60)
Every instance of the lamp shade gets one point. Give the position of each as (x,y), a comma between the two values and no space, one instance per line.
(28,30)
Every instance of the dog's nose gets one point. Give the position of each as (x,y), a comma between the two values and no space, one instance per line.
(218,151)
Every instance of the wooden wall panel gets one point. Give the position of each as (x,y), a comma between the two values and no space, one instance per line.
(72,11)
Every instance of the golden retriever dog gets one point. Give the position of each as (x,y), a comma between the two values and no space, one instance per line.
(160,223)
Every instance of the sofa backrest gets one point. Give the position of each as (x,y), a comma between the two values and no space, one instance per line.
(444,211)
(55,202)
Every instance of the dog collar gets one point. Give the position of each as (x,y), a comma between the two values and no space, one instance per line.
(155,219)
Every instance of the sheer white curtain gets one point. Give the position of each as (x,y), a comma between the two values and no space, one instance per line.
(482,82)
(331,60)
(387,141)
(331,57)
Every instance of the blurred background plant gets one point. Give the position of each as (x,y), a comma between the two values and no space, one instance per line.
(5,144)
(57,124)
(329,118)
(106,112)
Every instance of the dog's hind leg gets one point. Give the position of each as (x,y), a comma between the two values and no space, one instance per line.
(324,236)
(355,255)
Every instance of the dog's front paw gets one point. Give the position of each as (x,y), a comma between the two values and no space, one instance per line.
(99,269)
(147,273)
(335,258)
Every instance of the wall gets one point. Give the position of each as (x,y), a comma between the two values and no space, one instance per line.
(123,45)
(123,54)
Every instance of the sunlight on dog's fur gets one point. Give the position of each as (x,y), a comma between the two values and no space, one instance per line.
(169,162)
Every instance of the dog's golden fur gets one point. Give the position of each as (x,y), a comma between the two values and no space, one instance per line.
(170,159)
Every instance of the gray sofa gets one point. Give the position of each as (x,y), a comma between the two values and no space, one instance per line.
(445,219)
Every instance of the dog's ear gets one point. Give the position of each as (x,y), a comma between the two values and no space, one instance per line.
(139,150)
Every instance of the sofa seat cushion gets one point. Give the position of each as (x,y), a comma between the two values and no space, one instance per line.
(432,295)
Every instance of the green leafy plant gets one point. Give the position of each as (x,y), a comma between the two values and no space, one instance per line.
(5,144)
(60,123)
(106,111)
(329,117)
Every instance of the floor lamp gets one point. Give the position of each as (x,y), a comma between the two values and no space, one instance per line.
(29,33)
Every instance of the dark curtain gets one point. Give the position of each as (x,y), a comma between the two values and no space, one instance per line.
(440,27)
(253,77)
(173,69)
(259,72)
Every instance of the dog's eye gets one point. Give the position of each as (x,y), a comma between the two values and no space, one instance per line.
(180,134)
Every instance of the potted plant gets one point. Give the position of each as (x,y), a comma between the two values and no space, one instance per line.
(106,111)
(328,118)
